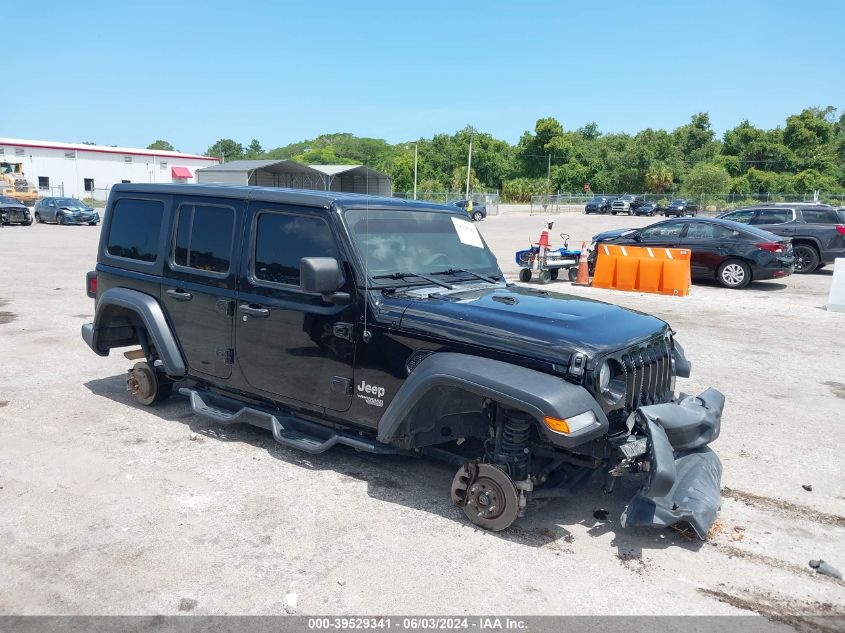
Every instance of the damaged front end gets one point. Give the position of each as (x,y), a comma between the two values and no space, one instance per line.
(668,442)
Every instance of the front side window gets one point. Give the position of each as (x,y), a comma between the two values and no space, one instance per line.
(134,229)
(204,237)
(398,241)
(282,239)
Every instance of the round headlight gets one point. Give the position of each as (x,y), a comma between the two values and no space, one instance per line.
(612,381)
(604,376)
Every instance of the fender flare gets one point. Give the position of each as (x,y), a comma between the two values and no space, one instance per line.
(534,392)
(149,311)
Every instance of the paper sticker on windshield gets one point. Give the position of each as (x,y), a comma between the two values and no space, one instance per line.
(467,233)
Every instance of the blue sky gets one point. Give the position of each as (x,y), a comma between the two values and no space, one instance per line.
(127,73)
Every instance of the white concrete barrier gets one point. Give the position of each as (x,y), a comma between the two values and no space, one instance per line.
(836,299)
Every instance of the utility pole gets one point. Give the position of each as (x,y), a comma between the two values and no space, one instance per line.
(469,158)
(549,176)
(415,171)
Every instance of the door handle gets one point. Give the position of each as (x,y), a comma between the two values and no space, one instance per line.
(254,311)
(180,295)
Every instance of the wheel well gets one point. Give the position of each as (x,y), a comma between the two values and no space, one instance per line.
(806,242)
(118,326)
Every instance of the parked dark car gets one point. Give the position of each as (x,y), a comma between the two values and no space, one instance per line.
(817,231)
(647,208)
(599,204)
(387,326)
(681,207)
(14,212)
(731,253)
(626,204)
(479,211)
(65,211)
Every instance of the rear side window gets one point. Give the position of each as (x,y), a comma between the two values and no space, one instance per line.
(707,231)
(204,237)
(820,216)
(773,216)
(134,229)
(283,239)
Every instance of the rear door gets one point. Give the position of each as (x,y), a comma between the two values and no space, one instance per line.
(779,221)
(200,280)
(711,244)
(290,344)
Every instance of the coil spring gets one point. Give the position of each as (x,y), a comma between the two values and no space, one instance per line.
(516,431)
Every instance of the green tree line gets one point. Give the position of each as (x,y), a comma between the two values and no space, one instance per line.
(805,154)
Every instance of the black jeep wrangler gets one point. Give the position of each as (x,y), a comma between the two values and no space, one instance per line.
(387,326)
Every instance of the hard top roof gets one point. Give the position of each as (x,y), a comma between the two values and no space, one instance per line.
(302,197)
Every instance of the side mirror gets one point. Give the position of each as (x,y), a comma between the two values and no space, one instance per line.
(321,275)
(637,238)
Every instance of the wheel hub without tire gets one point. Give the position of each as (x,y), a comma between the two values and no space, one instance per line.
(141,383)
(487,496)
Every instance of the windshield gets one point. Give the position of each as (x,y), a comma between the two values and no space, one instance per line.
(393,240)
(8,200)
(678,201)
(69,202)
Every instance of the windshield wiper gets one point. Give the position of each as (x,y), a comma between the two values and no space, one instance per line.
(421,276)
(452,271)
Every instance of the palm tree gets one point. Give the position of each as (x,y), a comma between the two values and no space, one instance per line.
(659,178)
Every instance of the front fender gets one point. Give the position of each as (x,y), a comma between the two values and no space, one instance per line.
(148,310)
(513,386)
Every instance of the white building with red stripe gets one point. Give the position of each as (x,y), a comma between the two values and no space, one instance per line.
(89,171)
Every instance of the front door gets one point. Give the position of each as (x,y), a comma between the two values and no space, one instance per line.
(290,344)
(199,288)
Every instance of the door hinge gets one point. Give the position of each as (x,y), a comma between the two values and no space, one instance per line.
(343,331)
(226,355)
(342,385)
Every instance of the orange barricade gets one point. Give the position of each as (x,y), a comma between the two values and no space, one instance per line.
(664,271)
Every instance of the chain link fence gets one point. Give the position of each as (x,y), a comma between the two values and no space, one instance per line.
(489,199)
(708,203)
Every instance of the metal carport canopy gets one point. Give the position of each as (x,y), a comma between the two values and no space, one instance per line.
(355,179)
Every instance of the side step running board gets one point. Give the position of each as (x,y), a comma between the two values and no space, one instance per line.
(298,433)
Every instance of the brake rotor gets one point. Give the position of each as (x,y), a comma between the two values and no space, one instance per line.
(141,383)
(487,496)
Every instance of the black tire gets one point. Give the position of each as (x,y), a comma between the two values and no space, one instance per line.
(28,222)
(545,277)
(525,275)
(92,224)
(806,259)
(733,274)
(572,273)
(477,216)
(554,273)
(60,218)
(38,218)
(613,213)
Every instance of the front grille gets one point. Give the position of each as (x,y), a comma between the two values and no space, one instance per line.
(648,374)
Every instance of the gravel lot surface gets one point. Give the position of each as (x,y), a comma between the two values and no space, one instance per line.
(111,508)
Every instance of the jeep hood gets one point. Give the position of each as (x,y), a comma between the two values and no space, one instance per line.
(523,321)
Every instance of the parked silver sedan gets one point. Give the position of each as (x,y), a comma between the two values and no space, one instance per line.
(65,211)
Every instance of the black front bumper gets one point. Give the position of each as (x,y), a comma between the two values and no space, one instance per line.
(684,474)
